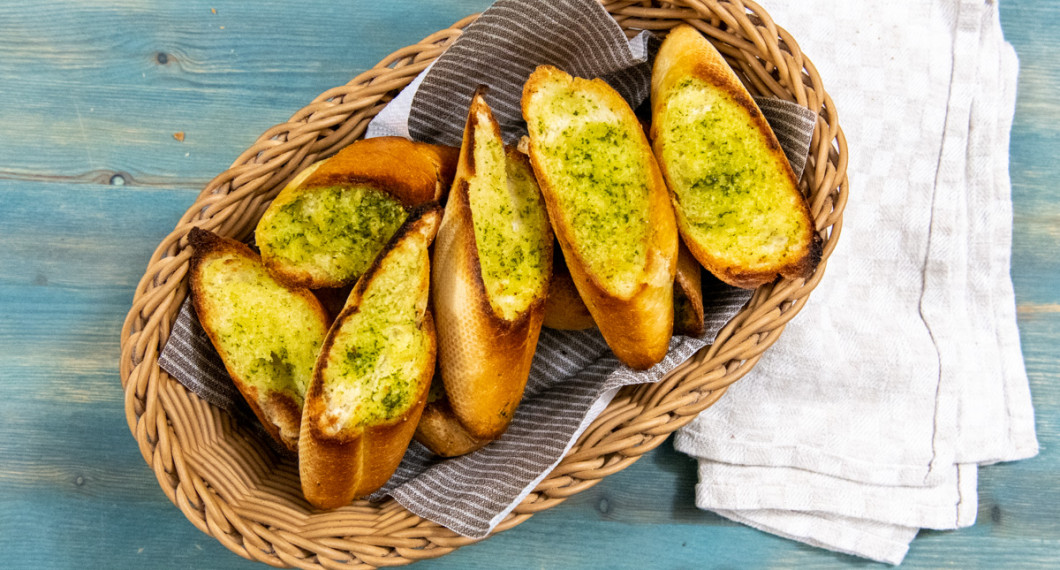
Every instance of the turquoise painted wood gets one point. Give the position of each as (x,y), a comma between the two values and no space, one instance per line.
(91,178)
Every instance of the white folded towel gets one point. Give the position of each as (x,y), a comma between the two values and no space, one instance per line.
(868,418)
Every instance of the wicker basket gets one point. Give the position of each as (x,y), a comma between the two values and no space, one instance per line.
(235,489)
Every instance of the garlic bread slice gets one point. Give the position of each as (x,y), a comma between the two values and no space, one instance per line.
(327,225)
(739,208)
(609,207)
(370,382)
(491,270)
(267,335)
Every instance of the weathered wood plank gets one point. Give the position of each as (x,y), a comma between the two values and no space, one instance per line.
(1031,27)
(85,95)
(1012,491)
(101,87)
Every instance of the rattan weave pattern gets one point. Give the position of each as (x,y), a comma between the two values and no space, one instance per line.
(235,489)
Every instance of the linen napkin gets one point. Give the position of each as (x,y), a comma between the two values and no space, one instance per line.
(867,420)
(573,375)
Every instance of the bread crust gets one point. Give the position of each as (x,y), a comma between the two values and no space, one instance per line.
(564,309)
(336,468)
(413,173)
(688,295)
(484,357)
(441,432)
(637,326)
(686,53)
(279,413)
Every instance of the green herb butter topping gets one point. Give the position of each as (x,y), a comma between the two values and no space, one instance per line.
(595,166)
(333,233)
(373,365)
(269,335)
(733,193)
(510,224)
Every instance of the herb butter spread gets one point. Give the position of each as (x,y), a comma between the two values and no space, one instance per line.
(332,233)
(372,369)
(593,162)
(732,193)
(270,336)
(510,224)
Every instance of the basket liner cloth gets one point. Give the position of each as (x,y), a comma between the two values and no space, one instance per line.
(869,417)
(574,375)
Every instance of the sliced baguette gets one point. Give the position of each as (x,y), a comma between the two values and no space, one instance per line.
(267,335)
(491,269)
(327,225)
(370,382)
(688,295)
(739,208)
(564,309)
(609,207)
(440,430)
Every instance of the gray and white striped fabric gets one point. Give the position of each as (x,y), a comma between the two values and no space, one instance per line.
(574,375)
(793,125)
(577,36)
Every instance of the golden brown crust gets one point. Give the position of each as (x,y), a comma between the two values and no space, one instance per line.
(686,53)
(637,326)
(279,413)
(336,468)
(413,172)
(747,279)
(440,431)
(484,358)
(564,308)
(688,295)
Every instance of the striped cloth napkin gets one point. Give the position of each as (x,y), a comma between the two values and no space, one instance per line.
(574,375)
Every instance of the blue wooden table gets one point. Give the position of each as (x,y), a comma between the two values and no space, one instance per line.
(93,95)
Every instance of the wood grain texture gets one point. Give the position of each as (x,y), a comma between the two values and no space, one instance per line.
(91,178)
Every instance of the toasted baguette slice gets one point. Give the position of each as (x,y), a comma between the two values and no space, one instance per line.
(688,295)
(492,264)
(609,207)
(370,382)
(739,208)
(327,225)
(267,335)
(440,430)
(564,309)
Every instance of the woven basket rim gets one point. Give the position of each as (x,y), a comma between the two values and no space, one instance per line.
(236,490)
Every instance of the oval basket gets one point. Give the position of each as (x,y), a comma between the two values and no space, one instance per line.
(234,488)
